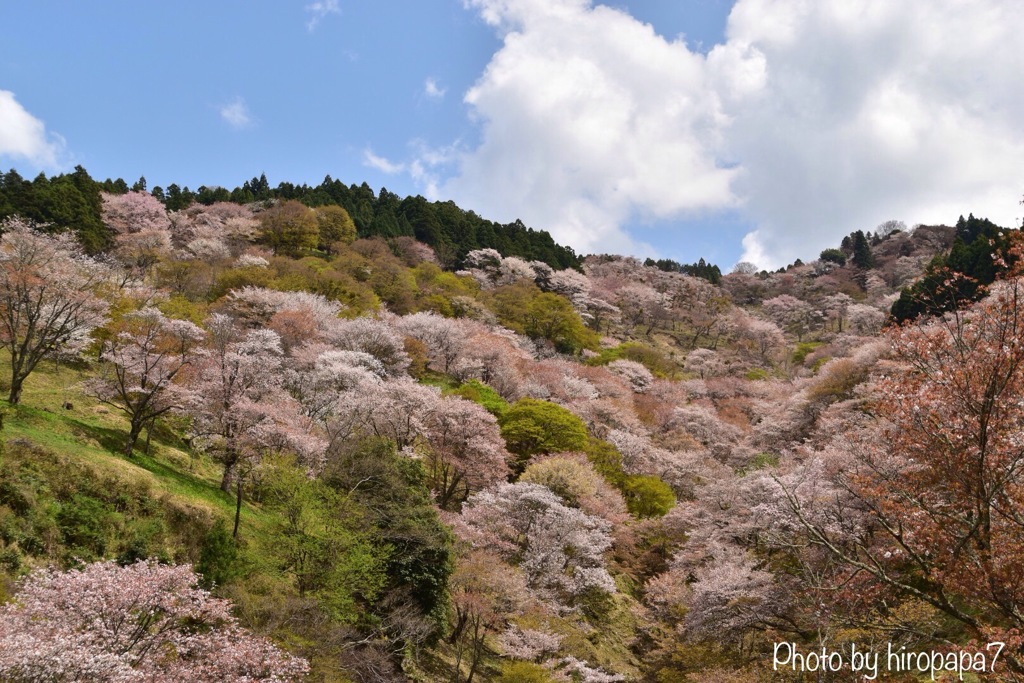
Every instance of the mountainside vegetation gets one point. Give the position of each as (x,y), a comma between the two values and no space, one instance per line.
(320,434)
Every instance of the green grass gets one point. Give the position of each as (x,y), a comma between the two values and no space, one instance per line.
(94,434)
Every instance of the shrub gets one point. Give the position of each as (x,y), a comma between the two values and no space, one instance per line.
(648,496)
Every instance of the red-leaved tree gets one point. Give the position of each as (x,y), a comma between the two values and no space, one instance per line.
(933,502)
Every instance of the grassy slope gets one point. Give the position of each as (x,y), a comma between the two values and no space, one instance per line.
(93,434)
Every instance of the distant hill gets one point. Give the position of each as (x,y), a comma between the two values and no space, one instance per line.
(72,201)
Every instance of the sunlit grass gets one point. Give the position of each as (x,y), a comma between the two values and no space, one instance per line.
(56,415)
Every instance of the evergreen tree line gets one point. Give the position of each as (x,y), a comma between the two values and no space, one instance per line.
(701,269)
(72,202)
(69,201)
(979,253)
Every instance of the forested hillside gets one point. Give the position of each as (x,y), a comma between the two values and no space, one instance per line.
(318,434)
(72,202)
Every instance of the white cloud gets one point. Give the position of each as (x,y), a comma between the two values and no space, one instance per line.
(23,136)
(381,164)
(236,114)
(589,118)
(433,90)
(319,10)
(870,110)
(812,119)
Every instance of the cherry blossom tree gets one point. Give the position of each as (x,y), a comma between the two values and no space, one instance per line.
(491,269)
(572,284)
(792,314)
(705,363)
(144,355)
(134,212)
(372,336)
(760,340)
(837,308)
(141,227)
(865,319)
(230,224)
(443,337)
(238,403)
(528,644)
(560,549)
(732,592)
(466,451)
(139,251)
(485,593)
(493,357)
(640,304)
(638,376)
(258,305)
(49,295)
(704,424)
(588,673)
(317,375)
(143,622)
(397,410)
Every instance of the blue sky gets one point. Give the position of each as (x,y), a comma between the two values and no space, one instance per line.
(762,130)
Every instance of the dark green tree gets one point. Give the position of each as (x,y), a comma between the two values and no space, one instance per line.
(833,256)
(959,277)
(391,489)
(862,257)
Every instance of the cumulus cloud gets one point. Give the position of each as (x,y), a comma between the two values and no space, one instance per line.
(812,119)
(319,10)
(236,114)
(845,113)
(589,118)
(23,136)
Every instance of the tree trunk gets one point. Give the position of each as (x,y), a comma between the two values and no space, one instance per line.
(229,474)
(133,437)
(477,652)
(238,507)
(14,398)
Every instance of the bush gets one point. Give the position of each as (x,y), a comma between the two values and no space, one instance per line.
(804,349)
(531,426)
(648,496)
(483,395)
(83,522)
(837,380)
(759,462)
(218,557)
(607,460)
(653,359)
(757,375)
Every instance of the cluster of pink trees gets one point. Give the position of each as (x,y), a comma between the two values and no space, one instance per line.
(142,622)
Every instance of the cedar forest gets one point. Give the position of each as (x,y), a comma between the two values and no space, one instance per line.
(325,434)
